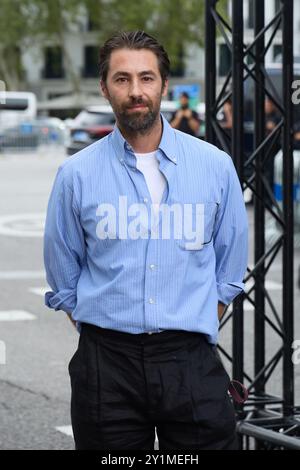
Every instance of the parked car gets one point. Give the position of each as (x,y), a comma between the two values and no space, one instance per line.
(52,130)
(30,134)
(90,124)
(16,107)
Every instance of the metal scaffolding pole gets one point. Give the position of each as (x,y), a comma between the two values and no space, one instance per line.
(288,239)
(210,66)
(237,156)
(272,421)
(259,211)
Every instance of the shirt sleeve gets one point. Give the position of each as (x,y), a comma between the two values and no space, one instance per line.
(64,246)
(231,238)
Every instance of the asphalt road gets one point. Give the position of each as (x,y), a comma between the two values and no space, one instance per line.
(34,381)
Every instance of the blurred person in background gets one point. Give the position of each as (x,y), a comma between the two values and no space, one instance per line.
(226,121)
(297,136)
(272,115)
(185,119)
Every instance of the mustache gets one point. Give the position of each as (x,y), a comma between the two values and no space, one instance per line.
(135,102)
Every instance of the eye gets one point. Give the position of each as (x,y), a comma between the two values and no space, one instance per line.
(121,79)
(147,79)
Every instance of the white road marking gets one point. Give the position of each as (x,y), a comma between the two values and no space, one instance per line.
(16,275)
(39,290)
(247,306)
(156,445)
(23,225)
(16,315)
(273,285)
(269,285)
(65,430)
(68,431)
(2,353)
(274,266)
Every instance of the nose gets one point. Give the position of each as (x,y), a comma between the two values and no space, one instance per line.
(135,90)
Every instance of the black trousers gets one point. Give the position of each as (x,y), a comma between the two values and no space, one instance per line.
(124,386)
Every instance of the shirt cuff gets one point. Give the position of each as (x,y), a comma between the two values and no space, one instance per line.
(228,291)
(63,300)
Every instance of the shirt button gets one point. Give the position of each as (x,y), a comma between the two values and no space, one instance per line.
(174,159)
(151,301)
(145,199)
(152,266)
(122,160)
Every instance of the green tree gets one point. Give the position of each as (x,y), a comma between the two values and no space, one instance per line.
(176,23)
(25,22)
(14,31)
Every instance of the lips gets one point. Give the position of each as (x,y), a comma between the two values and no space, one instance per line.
(137,106)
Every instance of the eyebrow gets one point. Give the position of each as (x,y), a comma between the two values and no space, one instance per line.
(126,74)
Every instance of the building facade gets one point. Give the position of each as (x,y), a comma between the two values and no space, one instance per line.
(54,70)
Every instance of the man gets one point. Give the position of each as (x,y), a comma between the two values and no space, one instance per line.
(226,121)
(185,119)
(272,115)
(145,243)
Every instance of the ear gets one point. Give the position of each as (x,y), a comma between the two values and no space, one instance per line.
(165,88)
(103,89)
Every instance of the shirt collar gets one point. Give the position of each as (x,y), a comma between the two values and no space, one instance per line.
(166,145)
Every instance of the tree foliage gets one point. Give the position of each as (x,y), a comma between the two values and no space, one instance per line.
(176,23)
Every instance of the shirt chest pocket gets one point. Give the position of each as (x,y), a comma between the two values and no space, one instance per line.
(198,226)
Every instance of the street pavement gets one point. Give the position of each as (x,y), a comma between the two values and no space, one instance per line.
(39,342)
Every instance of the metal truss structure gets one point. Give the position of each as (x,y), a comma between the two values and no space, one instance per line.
(265,421)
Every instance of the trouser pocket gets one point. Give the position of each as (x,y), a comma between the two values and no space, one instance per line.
(85,381)
(212,407)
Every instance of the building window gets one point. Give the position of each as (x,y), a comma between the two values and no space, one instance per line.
(91,62)
(13,59)
(94,16)
(177,69)
(53,63)
(249,58)
(278,6)
(224,60)
(92,24)
(277,52)
(250,22)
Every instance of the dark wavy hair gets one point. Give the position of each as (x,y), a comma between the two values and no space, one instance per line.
(133,40)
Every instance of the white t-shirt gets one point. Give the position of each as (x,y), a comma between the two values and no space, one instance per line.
(148,164)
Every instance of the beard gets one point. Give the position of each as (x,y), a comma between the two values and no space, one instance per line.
(139,121)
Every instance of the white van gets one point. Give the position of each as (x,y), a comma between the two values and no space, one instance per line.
(16,107)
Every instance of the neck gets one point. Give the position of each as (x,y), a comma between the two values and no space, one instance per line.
(144,142)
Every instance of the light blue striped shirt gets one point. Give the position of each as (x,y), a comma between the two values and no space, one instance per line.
(109,264)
